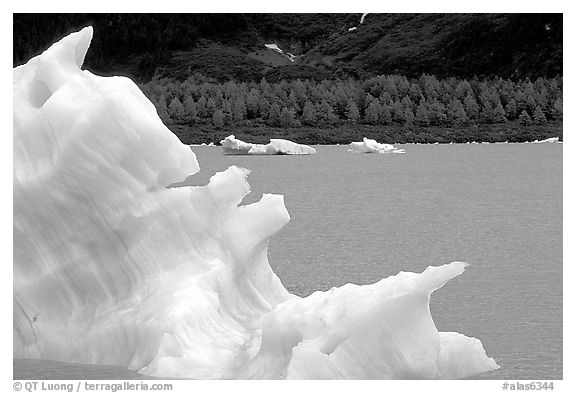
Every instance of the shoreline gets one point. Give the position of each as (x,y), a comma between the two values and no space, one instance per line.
(511,132)
(417,143)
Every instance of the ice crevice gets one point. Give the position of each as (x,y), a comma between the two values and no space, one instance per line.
(113,267)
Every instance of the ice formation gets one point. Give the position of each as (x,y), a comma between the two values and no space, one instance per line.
(371,146)
(549,140)
(232,146)
(111,267)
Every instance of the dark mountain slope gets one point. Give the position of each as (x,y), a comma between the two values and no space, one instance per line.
(231,46)
(461,45)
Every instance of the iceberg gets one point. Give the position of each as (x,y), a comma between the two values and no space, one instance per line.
(233,146)
(371,146)
(113,267)
(549,140)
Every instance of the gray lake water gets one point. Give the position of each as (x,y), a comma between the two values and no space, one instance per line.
(361,217)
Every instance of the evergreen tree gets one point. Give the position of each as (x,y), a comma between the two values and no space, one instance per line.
(389,86)
(326,112)
(385,98)
(368,100)
(190,109)
(456,113)
(187,87)
(452,110)
(531,103)
(471,106)
(385,115)
(437,113)
(352,112)
(407,103)
(415,93)
(219,97)
(274,115)
(487,114)
(525,118)
(422,118)
(539,117)
(288,117)
(499,113)
(175,109)
(218,118)
(264,108)
(430,85)
(299,89)
(558,108)
(293,101)
(408,116)
(227,110)
(462,90)
(239,109)
(341,100)
(210,106)
(201,107)
(372,115)
(402,86)
(460,117)
(252,104)
(511,109)
(521,100)
(308,114)
(397,111)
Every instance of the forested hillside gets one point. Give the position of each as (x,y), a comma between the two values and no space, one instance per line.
(231,46)
(425,109)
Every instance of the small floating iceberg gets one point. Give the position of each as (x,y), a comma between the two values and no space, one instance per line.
(371,146)
(233,146)
(549,140)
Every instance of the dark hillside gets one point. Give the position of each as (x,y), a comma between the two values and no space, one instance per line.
(463,45)
(231,46)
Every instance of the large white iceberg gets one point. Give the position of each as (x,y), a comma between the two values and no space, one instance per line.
(233,146)
(111,267)
(371,146)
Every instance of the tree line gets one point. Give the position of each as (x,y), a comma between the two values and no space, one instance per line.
(381,100)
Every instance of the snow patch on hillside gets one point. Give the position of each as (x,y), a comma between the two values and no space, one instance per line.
(275,47)
(361,21)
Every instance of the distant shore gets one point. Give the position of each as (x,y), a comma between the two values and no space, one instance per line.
(512,132)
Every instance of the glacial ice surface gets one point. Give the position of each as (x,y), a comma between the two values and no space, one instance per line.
(233,146)
(111,267)
(371,146)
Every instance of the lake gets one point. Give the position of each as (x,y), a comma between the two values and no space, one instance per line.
(361,217)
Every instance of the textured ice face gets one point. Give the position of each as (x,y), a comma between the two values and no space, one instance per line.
(112,267)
